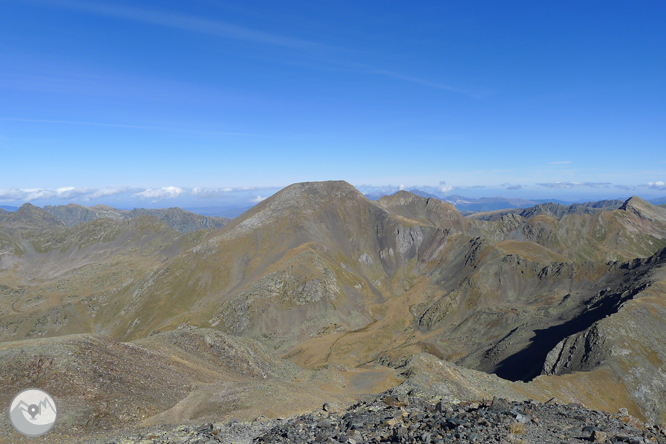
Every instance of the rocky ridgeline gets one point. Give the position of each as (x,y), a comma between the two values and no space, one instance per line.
(412,420)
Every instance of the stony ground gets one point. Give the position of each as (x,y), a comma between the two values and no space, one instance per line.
(411,420)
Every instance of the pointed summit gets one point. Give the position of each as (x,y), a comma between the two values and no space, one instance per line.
(644,209)
(32,215)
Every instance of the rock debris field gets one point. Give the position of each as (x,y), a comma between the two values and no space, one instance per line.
(414,420)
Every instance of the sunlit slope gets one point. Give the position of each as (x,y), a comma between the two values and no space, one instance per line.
(312,259)
(56,280)
(176,377)
(325,278)
(324,275)
(636,229)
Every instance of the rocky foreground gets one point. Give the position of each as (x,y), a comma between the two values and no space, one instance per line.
(414,420)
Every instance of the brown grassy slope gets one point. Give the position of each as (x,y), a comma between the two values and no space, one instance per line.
(325,277)
(58,280)
(190,376)
(636,229)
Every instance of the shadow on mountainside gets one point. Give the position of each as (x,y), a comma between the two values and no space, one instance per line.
(528,363)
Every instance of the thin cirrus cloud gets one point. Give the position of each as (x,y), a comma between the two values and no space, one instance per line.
(190,23)
(508,186)
(560,162)
(122,125)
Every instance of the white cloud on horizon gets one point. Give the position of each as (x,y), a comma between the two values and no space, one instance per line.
(160,193)
(195,196)
(444,188)
(72,194)
(105,192)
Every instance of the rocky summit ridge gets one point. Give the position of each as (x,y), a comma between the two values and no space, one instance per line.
(318,295)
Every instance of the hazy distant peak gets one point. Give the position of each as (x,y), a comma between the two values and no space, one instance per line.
(406,197)
(32,215)
(177,218)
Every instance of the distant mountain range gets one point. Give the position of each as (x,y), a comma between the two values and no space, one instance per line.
(73,214)
(550,209)
(468,205)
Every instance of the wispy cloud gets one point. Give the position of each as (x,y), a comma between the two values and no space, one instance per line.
(123,125)
(423,82)
(626,187)
(185,22)
(328,54)
(659,185)
(566,185)
(258,199)
(560,162)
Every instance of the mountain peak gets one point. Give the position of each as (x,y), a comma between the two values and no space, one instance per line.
(33,215)
(303,201)
(312,194)
(428,210)
(644,209)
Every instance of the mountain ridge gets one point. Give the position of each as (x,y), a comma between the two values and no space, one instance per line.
(179,219)
(404,291)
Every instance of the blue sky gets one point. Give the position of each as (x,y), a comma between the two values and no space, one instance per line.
(156,103)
